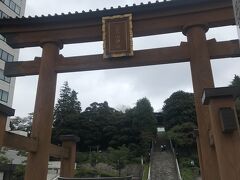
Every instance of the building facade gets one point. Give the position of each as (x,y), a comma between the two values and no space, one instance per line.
(8,8)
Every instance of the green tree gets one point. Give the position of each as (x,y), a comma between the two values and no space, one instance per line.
(118,157)
(182,135)
(180,120)
(18,173)
(3,158)
(144,124)
(179,108)
(66,113)
(22,124)
(98,125)
(236,82)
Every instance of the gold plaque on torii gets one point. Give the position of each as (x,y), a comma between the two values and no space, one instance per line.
(117,36)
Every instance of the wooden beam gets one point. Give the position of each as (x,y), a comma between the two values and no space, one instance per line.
(22,68)
(140,58)
(144,24)
(58,151)
(157,56)
(225,49)
(96,62)
(19,142)
(29,144)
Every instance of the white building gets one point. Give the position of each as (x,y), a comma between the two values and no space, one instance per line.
(8,8)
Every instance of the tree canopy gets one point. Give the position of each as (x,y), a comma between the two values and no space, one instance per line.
(66,113)
(178,109)
(100,126)
(236,82)
(180,121)
(22,124)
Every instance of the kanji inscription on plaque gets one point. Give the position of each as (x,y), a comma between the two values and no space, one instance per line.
(117,36)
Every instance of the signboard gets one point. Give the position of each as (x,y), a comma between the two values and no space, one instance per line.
(236,7)
(117,36)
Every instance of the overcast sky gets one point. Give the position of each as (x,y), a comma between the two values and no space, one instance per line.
(122,86)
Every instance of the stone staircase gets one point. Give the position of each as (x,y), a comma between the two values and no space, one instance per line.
(163,164)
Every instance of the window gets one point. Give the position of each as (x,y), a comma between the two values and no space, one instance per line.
(10,58)
(3,15)
(17,9)
(6,56)
(7,2)
(7,79)
(3,96)
(12,5)
(1,74)
(4,78)
(2,38)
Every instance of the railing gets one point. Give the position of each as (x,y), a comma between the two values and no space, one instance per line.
(177,166)
(150,163)
(100,178)
(56,178)
(149,171)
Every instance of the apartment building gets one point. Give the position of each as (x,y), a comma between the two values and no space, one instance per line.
(8,8)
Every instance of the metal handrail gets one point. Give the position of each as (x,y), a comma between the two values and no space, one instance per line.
(177,165)
(56,178)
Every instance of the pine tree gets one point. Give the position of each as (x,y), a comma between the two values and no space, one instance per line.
(235,81)
(66,112)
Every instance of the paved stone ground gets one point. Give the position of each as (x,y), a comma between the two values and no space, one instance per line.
(163,166)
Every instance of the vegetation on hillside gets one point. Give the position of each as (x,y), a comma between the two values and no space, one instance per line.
(117,138)
(101,127)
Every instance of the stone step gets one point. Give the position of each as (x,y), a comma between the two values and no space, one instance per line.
(163,164)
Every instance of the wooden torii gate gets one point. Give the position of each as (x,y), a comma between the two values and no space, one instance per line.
(193,18)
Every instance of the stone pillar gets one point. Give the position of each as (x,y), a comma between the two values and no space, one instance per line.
(68,164)
(226,140)
(202,78)
(37,163)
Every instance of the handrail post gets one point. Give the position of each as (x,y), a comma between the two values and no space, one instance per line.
(68,164)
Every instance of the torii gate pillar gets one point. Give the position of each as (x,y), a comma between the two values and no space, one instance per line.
(37,163)
(202,78)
